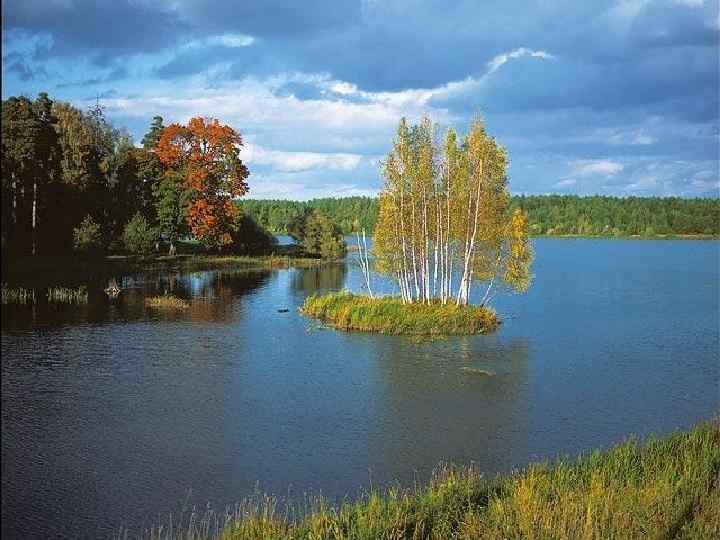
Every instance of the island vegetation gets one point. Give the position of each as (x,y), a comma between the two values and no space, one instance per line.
(663,488)
(167,301)
(390,315)
(444,224)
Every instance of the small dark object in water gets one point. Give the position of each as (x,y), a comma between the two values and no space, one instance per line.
(283,310)
(113,291)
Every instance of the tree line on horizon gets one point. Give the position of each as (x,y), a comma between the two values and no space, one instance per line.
(594,215)
(73,182)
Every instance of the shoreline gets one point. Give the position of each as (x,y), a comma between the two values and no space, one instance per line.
(662,487)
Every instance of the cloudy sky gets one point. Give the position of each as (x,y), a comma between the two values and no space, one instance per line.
(596,97)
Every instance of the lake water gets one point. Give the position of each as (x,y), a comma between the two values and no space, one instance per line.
(114,413)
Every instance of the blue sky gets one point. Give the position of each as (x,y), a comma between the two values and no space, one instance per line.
(596,97)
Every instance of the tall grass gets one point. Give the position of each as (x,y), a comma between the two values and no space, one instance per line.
(65,295)
(167,301)
(665,488)
(17,295)
(388,315)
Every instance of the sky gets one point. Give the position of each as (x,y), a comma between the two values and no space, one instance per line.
(597,97)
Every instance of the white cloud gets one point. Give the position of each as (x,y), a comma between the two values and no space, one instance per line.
(299,161)
(568,182)
(596,166)
(690,3)
(643,139)
(642,184)
(502,58)
(633,138)
(224,40)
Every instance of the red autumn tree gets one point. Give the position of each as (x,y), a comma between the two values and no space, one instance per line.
(208,154)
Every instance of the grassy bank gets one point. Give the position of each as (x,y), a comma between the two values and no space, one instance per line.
(664,488)
(388,315)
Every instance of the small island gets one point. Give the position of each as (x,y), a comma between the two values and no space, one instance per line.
(440,230)
(390,315)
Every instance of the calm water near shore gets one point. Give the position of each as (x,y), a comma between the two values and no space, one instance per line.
(115,413)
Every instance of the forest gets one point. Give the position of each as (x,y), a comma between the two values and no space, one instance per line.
(548,214)
(72,182)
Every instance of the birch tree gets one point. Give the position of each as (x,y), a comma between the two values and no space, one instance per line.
(444,221)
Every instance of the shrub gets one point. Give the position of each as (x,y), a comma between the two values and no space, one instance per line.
(87,237)
(250,238)
(322,237)
(139,236)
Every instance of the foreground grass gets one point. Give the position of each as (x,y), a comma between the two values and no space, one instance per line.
(665,488)
(388,315)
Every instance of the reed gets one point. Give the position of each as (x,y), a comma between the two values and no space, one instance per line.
(65,295)
(167,301)
(665,488)
(389,315)
(17,295)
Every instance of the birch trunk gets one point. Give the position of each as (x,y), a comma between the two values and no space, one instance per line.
(34,217)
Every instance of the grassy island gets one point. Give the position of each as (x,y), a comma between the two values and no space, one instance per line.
(664,488)
(389,315)
(167,301)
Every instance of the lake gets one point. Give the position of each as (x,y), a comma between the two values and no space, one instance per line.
(115,413)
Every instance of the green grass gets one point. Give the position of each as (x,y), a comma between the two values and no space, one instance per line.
(665,488)
(66,295)
(167,301)
(54,295)
(388,315)
(17,295)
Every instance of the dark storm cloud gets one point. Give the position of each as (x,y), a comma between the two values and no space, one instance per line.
(87,27)
(24,71)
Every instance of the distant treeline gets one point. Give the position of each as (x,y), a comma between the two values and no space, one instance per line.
(349,213)
(549,214)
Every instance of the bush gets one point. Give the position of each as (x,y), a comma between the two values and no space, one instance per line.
(250,238)
(139,237)
(87,237)
(322,237)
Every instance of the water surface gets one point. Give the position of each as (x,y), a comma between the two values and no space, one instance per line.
(114,413)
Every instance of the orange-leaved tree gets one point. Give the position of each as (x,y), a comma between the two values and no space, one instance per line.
(208,155)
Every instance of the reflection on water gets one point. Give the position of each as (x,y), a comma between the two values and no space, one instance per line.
(114,413)
(212,296)
(319,279)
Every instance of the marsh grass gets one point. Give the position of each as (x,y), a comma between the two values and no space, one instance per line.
(66,295)
(665,488)
(388,315)
(167,301)
(478,371)
(17,295)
